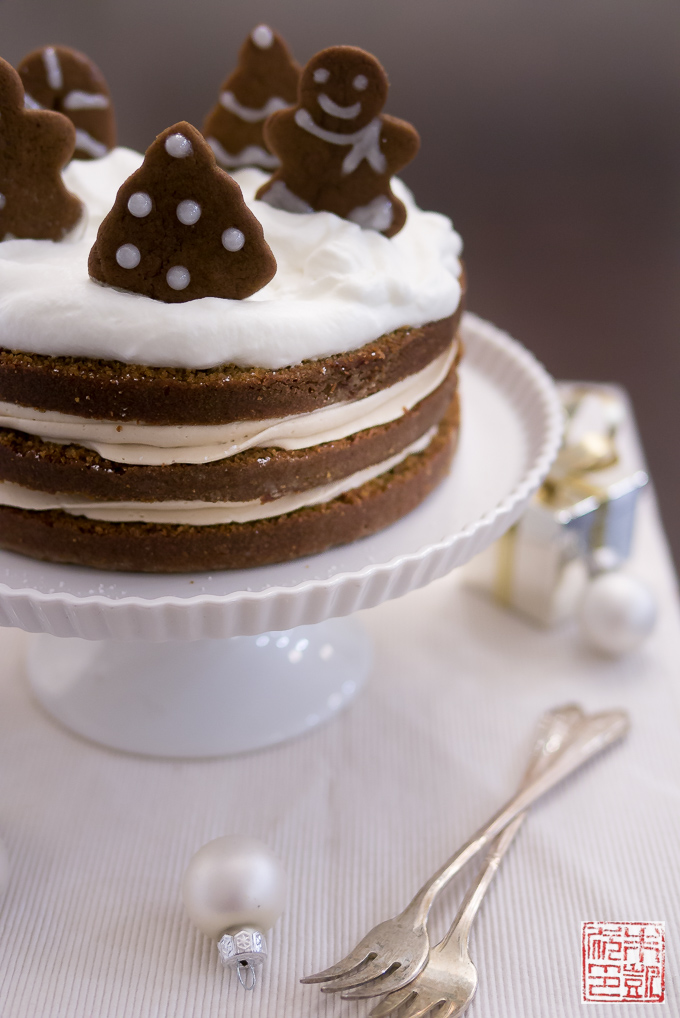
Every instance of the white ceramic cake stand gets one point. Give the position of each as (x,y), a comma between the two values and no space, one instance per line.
(209,664)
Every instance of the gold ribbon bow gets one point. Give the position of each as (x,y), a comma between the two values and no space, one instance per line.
(592,419)
(588,451)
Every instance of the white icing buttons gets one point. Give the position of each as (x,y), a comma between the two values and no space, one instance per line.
(128,256)
(3,201)
(262,36)
(360,82)
(233,239)
(188,212)
(178,277)
(140,204)
(321,75)
(178,146)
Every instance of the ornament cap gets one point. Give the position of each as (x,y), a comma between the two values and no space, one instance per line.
(244,950)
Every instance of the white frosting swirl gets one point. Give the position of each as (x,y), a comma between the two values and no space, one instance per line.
(337,287)
(149,444)
(197,513)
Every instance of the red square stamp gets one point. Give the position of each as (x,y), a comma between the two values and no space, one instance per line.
(623,962)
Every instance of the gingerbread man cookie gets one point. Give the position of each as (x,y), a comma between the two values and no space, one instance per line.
(34,148)
(265,80)
(59,78)
(338,152)
(180,229)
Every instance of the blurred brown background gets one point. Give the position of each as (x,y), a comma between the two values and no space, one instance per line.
(551,136)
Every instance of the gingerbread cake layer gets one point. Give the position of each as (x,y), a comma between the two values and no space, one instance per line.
(57,536)
(112,390)
(264,473)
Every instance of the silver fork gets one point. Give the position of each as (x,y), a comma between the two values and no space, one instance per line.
(449,979)
(395,951)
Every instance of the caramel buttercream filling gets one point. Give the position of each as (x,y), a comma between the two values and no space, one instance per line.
(155,445)
(197,513)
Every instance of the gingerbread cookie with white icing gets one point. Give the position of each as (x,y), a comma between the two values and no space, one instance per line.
(34,148)
(59,78)
(338,152)
(265,80)
(180,230)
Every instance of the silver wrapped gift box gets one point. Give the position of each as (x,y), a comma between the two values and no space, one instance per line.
(581,520)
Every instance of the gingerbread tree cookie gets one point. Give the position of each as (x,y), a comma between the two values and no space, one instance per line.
(265,80)
(34,148)
(59,78)
(180,229)
(337,150)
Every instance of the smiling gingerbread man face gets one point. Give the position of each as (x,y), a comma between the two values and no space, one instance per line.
(343,89)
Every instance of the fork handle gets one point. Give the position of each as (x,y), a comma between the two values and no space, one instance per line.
(457,936)
(593,735)
(555,731)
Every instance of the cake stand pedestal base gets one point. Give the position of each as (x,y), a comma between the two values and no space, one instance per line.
(200,698)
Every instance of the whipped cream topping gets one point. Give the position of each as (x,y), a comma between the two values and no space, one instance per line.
(164,444)
(337,287)
(197,513)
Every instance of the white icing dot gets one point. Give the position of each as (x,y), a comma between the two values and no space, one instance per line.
(178,277)
(233,239)
(3,201)
(128,256)
(178,145)
(188,212)
(360,82)
(262,36)
(321,75)
(140,204)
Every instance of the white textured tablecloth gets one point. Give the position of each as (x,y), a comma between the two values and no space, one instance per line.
(360,812)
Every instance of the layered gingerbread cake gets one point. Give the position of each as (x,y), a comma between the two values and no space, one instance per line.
(202,371)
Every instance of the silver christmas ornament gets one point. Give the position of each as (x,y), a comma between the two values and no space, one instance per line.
(617,614)
(234,890)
